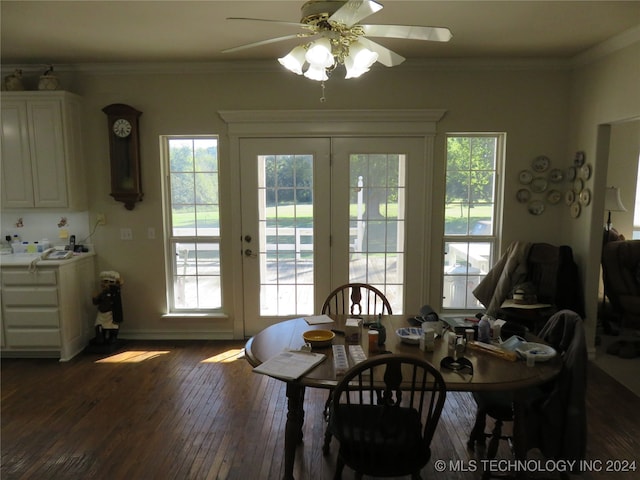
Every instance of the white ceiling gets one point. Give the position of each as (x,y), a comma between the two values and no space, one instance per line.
(81,32)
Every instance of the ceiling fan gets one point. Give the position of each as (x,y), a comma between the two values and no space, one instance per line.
(334,37)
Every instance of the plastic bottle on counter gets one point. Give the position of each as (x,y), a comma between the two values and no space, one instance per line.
(484,329)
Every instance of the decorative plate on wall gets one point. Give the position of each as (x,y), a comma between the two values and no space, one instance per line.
(569,197)
(585,197)
(523,195)
(525,177)
(578,185)
(585,171)
(571,174)
(536,207)
(575,210)
(556,175)
(539,184)
(540,164)
(553,197)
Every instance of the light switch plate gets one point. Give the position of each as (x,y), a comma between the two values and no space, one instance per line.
(126,234)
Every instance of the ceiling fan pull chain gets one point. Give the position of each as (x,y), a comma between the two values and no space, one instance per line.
(322,98)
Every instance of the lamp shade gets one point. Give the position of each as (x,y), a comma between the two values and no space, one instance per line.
(319,53)
(612,201)
(294,60)
(359,60)
(315,72)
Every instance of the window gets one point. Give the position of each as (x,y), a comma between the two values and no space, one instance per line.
(471,211)
(192,222)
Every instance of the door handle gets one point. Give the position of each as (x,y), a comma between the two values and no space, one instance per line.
(249,253)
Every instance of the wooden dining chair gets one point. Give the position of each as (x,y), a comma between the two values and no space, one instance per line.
(499,407)
(353,299)
(555,411)
(356,299)
(384,413)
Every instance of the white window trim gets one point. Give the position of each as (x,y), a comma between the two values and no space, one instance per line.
(498,209)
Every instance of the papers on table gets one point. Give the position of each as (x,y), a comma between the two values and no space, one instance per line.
(290,364)
(318,319)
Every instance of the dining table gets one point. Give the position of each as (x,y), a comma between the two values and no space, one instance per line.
(490,371)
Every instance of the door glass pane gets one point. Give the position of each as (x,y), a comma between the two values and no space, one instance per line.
(376,221)
(285,198)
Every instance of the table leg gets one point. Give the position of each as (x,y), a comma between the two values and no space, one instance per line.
(293,428)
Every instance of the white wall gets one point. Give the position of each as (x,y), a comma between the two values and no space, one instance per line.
(604,92)
(534,103)
(530,105)
(622,172)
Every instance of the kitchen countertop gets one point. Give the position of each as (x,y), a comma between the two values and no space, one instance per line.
(25,259)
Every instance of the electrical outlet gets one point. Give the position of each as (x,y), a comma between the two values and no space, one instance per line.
(101,219)
(126,234)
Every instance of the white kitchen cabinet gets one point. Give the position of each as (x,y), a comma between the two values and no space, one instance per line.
(42,162)
(47,311)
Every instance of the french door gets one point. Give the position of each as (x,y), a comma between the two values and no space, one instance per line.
(320,212)
(285,191)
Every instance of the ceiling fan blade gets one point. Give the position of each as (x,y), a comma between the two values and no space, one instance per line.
(355,10)
(386,57)
(261,42)
(280,22)
(411,32)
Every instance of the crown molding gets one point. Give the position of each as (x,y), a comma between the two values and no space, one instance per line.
(262,66)
(623,40)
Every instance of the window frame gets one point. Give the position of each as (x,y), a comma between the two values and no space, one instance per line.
(171,241)
(493,237)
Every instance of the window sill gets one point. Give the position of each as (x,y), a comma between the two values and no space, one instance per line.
(196,316)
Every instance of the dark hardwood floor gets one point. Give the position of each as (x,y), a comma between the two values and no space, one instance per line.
(194,410)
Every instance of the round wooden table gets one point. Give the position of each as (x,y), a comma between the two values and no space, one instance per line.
(489,372)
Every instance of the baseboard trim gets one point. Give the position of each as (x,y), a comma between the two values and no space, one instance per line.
(177,335)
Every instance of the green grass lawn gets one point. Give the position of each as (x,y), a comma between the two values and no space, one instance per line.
(301,215)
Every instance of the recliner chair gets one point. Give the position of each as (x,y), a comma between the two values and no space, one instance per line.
(621,272)
(621,268)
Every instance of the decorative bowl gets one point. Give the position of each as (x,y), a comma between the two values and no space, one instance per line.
(318,338)
(539,351)
(409,335)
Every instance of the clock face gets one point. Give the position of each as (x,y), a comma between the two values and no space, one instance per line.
(122,127)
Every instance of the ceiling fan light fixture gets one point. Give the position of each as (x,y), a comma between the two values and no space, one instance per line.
(319,53)
(341,39)
(359,60)
(316,72)
(294,60)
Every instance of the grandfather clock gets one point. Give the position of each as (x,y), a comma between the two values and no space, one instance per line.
(124,153)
